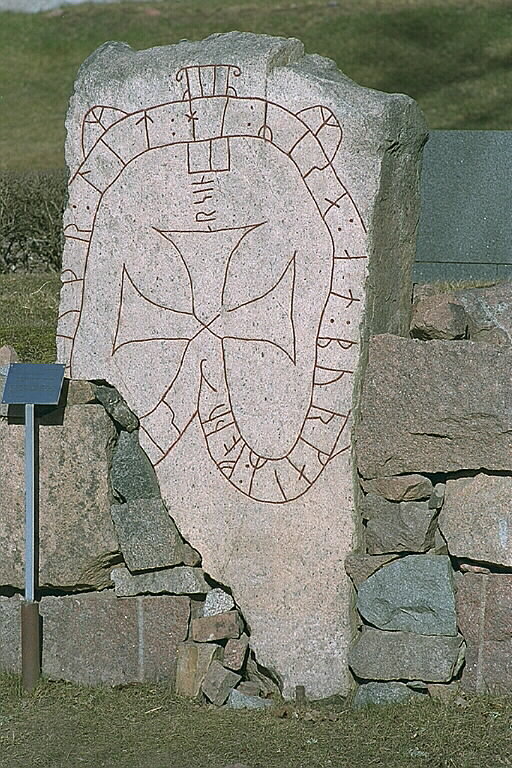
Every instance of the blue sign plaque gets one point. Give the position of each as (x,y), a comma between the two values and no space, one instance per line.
(33,384)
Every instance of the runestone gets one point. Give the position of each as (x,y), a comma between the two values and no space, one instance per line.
(217,242)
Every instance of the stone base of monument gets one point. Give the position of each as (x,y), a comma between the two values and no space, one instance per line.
(434,451)
(157,614)
(125,598)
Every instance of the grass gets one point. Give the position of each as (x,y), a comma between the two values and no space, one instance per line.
(145,726)
(28,315)
(453,56)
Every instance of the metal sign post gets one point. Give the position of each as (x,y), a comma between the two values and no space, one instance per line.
(31,384)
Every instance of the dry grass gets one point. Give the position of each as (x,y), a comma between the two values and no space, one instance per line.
(65,725)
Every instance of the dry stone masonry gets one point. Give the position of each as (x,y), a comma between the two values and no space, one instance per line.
(434,581)
(124,597)
(234,207)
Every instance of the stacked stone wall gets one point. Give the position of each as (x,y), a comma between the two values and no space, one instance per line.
(123,598)
(434,454)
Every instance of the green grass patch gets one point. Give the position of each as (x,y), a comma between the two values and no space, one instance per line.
(28,315)
(454,57)
(145,726)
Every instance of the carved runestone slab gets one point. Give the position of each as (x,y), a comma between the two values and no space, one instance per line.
(226,198)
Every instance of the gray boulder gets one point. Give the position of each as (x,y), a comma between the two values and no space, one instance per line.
(132,474)
(239,700)
(412,594)
(375,693)
(148,537)
(116,407)
(378,655)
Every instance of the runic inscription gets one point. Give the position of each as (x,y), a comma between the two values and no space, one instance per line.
(231,278)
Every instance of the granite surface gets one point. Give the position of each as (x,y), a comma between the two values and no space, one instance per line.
(234,206)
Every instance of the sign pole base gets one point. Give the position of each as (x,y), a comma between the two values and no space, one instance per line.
(30,645)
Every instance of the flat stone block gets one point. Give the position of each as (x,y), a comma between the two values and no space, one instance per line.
(401,488)
(193,662)
(174,581)
(10,634)
(412,594)
(148,537)
(476,519)
(360,567)
(378,655)
(235,653)
(222,626)
(267,685)
(268,203)
(97,638)
(217,601)
(484,614)
(461,421)
(77,539)
(79,392)
(218,683)
(407,526)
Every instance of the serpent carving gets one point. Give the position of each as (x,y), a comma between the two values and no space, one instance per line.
(218,293)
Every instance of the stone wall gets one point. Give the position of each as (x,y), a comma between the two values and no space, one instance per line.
(434,453)
(432,578)
(123,598)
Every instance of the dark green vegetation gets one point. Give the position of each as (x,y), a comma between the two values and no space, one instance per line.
(453,56)
(64,725)
(28,316)
(31,206)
